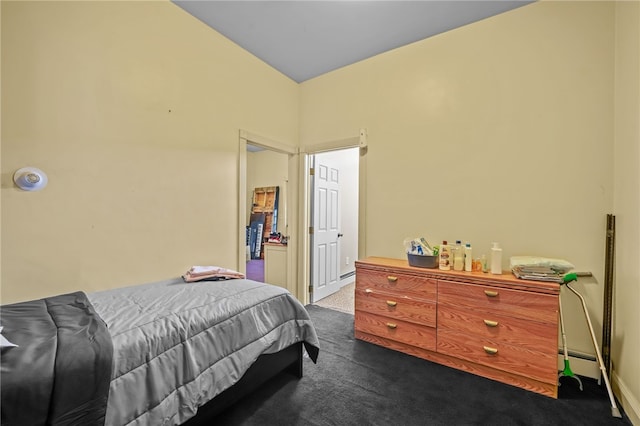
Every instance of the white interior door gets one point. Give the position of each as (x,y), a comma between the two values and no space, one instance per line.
(325,239)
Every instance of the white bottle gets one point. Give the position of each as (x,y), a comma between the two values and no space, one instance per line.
(444,256)
(458,256)
(496,259)
(468,258)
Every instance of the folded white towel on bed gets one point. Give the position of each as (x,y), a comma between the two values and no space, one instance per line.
(199,273)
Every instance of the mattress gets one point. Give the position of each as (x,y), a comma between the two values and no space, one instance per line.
(177,345)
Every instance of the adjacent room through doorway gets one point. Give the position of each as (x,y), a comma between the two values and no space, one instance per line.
(267,176)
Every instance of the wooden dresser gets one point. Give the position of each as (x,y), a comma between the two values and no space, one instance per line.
(495,326)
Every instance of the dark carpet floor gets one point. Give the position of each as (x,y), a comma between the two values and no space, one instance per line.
(357,383)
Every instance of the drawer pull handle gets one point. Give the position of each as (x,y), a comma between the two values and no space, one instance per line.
(491,323)
(391,303)
(368,290)
(392,279)
(392,325)
(490,351)
(491,293)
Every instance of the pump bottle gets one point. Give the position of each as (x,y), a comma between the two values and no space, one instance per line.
(496,259)
(468,258)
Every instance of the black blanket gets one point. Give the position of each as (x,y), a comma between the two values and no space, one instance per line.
(60,372)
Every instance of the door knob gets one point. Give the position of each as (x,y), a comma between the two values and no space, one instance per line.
(340,235)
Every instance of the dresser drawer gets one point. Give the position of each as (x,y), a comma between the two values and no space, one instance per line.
(425,288)
(516,303)
(537,365)
(396,306)
(532,335)
(394,329)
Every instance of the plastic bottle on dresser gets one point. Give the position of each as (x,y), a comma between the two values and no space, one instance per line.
(496,259)
(444,256)
(468,258)
(458,256)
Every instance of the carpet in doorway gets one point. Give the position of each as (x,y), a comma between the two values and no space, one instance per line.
(255,270)
(357,383)
(343,300)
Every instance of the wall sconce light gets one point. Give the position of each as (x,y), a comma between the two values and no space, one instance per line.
(30,179)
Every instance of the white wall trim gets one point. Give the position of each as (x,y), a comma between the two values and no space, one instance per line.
(242,205)
(630,405)
(580,366)
(359,141)
(589,368)
(254,139)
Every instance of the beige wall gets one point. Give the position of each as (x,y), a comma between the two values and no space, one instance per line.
(492,132)
(133,109)
(625,345)
(502,130)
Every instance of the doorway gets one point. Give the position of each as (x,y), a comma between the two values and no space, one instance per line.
(267,181)
(295,212)
(359,142)
(333,200)
(260,158)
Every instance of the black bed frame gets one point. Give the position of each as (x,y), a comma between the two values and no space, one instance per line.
(288,360)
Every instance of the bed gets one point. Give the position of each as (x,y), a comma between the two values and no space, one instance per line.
(159,354)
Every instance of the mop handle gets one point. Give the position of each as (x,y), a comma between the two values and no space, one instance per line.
(614,408)
(564,336)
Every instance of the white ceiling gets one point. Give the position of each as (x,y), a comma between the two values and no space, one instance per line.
(304,39)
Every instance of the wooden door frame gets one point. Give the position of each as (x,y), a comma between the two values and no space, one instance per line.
(288,215)
(360,141)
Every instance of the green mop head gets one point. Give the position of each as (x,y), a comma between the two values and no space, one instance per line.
(567,369)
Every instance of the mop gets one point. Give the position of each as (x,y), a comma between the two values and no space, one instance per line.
(567,368)
(615,412)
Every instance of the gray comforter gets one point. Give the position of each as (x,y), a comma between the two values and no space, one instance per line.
(177,345)
(59,373)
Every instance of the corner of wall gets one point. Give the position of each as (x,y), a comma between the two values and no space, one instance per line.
(627,205)
(630,404)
